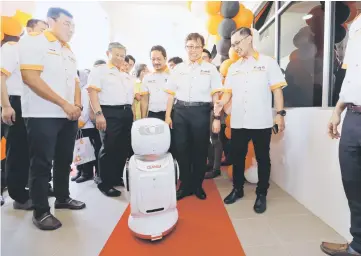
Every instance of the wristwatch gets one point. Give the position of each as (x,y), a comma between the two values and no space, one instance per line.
(281,112)
(217,117)
(79,106)
(99,113)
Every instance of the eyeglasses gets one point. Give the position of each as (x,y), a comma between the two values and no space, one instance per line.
(192,47)
(238,42)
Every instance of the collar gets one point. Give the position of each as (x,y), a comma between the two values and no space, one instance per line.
(111,65)
(164,70)
(199,61)
(255,56)
(52,38)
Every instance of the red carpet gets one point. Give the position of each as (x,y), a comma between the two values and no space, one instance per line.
(203,228)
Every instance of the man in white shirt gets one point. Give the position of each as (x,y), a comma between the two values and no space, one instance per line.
(111,93)
(250,83)
(350,142)
(154,98)
(51,106)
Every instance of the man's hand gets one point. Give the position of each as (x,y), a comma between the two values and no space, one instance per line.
(218,106)
(280,121)
(332,126)
(101,123)
(8,115)
(168,120)
(72,112)
(216,126)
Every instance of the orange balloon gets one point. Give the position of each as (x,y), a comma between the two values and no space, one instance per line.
(213,23)
(22,17)
(223,69)
(10,26)
(213,7)
(3,148)
(228,121)
(294,55)
(244,18)
(2,35)
(233,55)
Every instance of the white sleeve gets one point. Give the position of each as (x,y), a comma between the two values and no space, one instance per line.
(94,80)
(32,51)
(276,78)
(9,58)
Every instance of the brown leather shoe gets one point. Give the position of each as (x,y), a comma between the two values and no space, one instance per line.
(337,249)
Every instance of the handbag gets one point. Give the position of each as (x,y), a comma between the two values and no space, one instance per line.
(83,150)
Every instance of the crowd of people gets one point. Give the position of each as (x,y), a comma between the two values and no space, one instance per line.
(47,101)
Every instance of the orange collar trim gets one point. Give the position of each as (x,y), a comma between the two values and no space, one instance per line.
(52,38)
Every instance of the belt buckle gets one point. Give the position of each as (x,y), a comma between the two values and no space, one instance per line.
(187,103)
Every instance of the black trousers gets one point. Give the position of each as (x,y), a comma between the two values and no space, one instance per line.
(350,162)
(261,139)
(87,169)
(159,115)
(116,143)
(17,155)
(191,129)
(50,139)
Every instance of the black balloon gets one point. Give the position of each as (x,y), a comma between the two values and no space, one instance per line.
(229,9)
(340,33)
(223,58)
(223,46)
(226,27)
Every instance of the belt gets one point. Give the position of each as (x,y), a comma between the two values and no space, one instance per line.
(354,108)
(125,106)
(192,104)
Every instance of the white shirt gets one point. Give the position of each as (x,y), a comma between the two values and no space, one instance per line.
(10,66)
(351,86)
(154,84)
(58,65)
(194,82)
(114,86)
(251,82)
(85,114)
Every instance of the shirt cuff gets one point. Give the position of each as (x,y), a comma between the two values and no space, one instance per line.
(143,93)
(216,90)
(170,92)
(227,90)
(278,85)
(31,67)
(344,66)
(94,87)
(3,70)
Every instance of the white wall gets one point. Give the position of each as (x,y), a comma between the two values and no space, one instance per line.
(305,165)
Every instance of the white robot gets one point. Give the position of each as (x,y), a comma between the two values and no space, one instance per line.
(150,179)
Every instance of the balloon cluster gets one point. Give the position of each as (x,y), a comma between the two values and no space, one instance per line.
(13,25)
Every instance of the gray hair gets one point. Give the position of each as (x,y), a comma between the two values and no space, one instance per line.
(139,68)
(116,45)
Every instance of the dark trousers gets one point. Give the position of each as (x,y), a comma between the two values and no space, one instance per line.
(50,139)
(191,128)
(17,155)
(226,143)
(261,139)
(116,143)
(159,115)
(350,162)
(87,169)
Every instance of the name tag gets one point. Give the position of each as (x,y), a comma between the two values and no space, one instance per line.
(54,53)
(72,59)
(236,72)
(259,68)
(151,81)
(205,72)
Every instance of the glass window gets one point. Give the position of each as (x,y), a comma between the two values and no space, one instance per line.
(266,44)
(301,53)
(265,14)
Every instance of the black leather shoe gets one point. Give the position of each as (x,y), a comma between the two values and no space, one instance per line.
(182,193)
(74,178)
(200,194)
(234,196)
(46,222)
(119,184)
(212,174)
(111,192)
(82,179)
(70,204)
(260,205)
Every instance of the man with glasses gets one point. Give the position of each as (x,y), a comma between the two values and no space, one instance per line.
(51,106)
(250,83)
(195,84)
(111,93)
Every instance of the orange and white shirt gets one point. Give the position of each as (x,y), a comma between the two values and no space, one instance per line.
(251,82)
(114,86)
(11,68)
(153,84)
(194,82)
(351,87)
(58,66)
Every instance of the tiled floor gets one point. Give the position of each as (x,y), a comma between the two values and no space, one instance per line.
(287,228)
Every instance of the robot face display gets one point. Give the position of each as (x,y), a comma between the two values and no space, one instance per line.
(151,129)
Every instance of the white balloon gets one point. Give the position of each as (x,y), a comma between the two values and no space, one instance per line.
(251,174)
